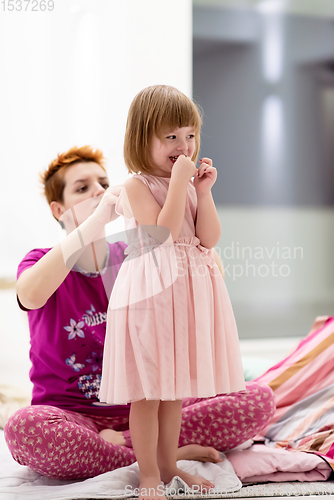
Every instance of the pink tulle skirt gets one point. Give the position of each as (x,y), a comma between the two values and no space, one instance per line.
(171,331)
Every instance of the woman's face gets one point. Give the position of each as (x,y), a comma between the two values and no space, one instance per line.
(85,184)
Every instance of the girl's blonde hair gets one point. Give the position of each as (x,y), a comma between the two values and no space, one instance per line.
(155,111)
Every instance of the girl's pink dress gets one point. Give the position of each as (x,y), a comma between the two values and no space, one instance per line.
(171,331)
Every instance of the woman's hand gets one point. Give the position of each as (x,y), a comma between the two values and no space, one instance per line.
(184,168)
(105,210)
(206,176)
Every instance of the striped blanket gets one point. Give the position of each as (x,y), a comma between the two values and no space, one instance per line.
(304,388)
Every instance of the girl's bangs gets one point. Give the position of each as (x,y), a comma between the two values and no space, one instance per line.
(177,113)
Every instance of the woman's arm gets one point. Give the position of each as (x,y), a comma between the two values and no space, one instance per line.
(36,284)
(39,282)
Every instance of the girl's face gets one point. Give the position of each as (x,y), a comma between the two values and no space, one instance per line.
(165,152)
(83,183)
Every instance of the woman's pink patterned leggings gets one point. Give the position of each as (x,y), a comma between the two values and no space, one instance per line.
(66,445)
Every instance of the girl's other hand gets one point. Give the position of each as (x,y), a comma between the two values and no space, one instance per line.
(206,176)
(184,168)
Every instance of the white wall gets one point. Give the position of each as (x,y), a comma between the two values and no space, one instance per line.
(68,77)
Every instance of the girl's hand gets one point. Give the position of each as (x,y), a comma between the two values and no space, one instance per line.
(184,168)
(206,176)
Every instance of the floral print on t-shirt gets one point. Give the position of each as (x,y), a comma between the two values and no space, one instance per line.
(95,360)
(75,329)
(71,362)
(89,384)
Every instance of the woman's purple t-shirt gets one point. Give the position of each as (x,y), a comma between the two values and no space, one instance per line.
(67,336)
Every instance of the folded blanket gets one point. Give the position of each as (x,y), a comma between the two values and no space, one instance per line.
(303,384)
(259,464)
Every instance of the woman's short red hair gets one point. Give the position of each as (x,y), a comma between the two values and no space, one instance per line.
(53,178)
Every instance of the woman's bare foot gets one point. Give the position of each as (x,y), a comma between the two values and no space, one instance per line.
(197,483)
(199,453)
(113,437)
(151,488)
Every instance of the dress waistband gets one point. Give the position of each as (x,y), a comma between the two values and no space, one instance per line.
(137,249)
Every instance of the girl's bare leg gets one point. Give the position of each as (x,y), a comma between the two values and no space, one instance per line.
(144,433)
(169,415)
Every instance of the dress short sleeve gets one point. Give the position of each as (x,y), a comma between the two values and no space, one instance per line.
(122,206)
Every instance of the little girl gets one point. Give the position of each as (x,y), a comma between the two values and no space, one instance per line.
(171,331)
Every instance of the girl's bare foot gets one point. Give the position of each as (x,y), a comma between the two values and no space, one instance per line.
(151,488)
(195,482)
(113,437)
(199,453)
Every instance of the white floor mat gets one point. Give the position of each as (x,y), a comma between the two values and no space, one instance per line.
(18,482)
